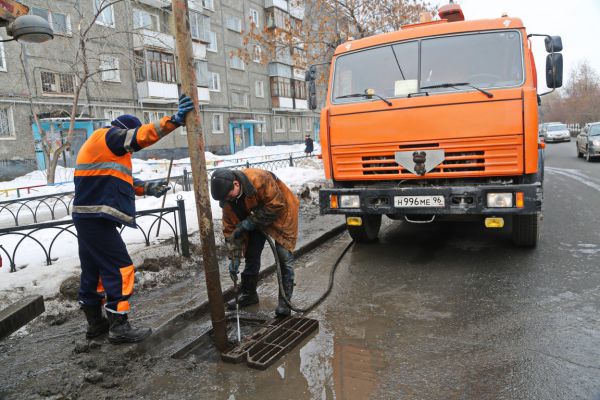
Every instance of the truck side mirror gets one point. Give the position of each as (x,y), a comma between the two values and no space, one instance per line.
(553,44)
(554,70)
(311,79)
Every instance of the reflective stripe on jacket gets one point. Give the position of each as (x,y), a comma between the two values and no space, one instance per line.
(104,185)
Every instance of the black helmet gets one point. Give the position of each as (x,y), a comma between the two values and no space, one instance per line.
(221,183)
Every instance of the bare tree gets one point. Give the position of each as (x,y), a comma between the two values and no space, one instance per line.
(579,101)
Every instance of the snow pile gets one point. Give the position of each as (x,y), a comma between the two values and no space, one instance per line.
(34,276)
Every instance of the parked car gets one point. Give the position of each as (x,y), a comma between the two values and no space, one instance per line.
(588,141)
(556,132)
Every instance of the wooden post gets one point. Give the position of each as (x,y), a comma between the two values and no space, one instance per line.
(187,75)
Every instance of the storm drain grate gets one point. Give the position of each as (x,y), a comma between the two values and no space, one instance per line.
(269,344)
(280,340)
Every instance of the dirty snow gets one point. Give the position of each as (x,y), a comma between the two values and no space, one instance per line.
(33,276)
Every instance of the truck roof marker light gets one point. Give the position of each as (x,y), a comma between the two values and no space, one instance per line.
(451,12)
(520,200)
(333,201)
(354,221)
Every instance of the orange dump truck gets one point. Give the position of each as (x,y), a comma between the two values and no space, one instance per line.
(437,119)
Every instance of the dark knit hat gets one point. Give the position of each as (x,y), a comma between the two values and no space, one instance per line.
(221,183)
(127,121)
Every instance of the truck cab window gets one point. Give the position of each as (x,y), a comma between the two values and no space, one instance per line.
(379,69)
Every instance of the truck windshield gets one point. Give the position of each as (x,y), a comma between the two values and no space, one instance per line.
(486,60)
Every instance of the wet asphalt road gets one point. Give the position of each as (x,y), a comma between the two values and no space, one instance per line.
(440,311)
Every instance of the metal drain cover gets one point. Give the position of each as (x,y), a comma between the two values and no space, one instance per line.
(269,344)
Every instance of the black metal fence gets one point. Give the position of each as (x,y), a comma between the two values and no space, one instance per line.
(177,225)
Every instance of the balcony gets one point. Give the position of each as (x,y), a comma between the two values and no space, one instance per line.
(145,38)
(287,103)
(277,69)
(156,3)
(281,4)
(165,93)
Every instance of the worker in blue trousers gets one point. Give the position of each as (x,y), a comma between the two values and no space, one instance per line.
(104,201)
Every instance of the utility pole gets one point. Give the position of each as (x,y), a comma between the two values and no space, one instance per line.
(195,138)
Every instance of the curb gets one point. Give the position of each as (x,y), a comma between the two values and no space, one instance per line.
(173,325)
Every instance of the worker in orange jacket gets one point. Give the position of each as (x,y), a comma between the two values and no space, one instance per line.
(256,203)
(104,201)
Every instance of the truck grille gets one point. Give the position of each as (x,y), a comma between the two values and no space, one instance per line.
(463,158)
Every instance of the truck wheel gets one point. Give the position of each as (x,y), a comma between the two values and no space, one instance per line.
(369,229)
(525,230)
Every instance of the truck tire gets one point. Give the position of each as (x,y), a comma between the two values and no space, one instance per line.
(368,231)
(525,230)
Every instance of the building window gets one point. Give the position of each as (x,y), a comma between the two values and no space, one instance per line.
(142,19)
(214,82)
(201,67)
(217,123)
(239,99)
(254,17)
(2,58)
(200,26)
(262,127)
(233,23)
(110,69)
(278,124)
(299,89)
(308,124)
(60,23)
(294,124)
(257,54)
(209,4)
(55,83)
(157,66)
(259,88)
(105,12)
(7,130)
(237,63)
(111,115)
(281,87)
(153,116)
(212,42)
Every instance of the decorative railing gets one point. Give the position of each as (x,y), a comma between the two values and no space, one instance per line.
(177,225)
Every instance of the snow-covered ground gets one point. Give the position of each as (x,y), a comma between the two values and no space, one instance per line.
(33,276)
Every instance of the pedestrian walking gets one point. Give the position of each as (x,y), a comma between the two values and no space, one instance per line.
(309,145)
(256,203)
(104,201)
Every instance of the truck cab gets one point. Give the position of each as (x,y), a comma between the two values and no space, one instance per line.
(437,119)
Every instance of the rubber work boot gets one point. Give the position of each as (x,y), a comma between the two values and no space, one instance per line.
(97,324)
(121,331)
(248,295)
(283,310)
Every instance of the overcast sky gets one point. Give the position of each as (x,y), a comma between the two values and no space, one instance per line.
(576,21)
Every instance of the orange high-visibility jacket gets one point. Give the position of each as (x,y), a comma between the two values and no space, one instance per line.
(104,185)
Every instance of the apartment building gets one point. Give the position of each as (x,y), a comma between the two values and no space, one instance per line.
(131,68)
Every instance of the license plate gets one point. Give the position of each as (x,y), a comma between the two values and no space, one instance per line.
(419,201)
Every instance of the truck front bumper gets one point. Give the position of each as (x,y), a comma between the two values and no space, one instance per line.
(458,200)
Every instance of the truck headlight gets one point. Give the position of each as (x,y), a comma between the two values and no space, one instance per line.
(350,201)
(499,200)
(596,143)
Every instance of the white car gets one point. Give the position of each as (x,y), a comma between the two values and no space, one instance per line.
(556,133)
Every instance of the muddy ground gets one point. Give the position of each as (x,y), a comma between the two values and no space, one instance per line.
(49,357)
